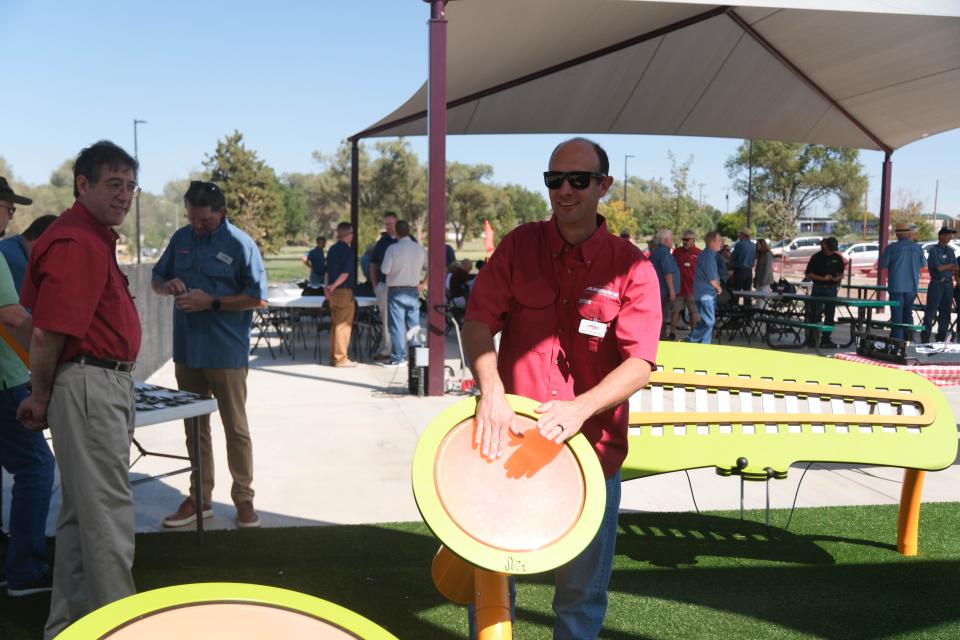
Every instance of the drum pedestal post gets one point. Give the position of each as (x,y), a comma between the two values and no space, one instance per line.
(493,605)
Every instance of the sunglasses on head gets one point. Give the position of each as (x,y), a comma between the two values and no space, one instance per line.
(579,180)
(199,185)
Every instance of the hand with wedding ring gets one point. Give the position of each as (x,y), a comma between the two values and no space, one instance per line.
(560,420)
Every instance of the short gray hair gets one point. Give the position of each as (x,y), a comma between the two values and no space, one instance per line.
(662,235)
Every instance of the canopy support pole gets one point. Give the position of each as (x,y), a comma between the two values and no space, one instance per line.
(884,212)
(355,200)
(437,178)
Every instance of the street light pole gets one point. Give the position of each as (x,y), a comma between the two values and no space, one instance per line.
(936,193)
(136,157)
(625,179)
(750,187)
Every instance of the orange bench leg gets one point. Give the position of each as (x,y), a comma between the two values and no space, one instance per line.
(908,520)
(493,605)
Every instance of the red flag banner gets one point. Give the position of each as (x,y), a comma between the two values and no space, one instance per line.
(488,240)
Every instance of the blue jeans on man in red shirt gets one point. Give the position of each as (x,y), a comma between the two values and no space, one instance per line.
(580,598)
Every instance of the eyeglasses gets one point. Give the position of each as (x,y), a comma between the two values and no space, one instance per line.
(10,210)
(579,180)
(687,239)
(116,186)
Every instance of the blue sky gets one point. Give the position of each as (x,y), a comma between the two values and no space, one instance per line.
(294,77)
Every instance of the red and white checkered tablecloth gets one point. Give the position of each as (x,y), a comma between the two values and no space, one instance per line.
(939,374)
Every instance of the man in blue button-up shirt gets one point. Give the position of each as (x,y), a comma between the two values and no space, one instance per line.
(903,260)
(216,273)
(942,264)
(744,256)
(668,273)
(706,287)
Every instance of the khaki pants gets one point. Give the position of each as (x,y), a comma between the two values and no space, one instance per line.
(381,292)
(342,311)
(229,387)
(91,414)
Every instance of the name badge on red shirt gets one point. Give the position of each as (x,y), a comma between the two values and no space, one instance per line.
(591,328)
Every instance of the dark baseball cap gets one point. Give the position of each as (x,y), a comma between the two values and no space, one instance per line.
(946,231)
(6,193)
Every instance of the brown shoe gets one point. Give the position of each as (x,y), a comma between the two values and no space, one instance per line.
(382,357)
(345,364)
(247,518)
(186,514)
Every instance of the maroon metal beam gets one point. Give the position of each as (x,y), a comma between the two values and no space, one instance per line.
(884,212)
(785,61)
(355,201)
(437,198)
(536,75)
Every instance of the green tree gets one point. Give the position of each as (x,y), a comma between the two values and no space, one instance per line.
(788,178)
(909,210)
(398,183)
(254,196)
(527,206)
(294,213)
(729,224)
(469,199)
(618,217)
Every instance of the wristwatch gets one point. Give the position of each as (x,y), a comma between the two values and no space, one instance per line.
(216,304)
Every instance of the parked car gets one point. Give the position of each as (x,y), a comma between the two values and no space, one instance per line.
(955,244)
(803,247)
(861,254)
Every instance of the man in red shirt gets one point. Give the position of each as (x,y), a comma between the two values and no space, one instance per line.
(578,310)
(686,257)
(86,337)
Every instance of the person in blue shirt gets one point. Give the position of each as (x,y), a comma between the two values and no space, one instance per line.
(744,256)
(339,289)
(16,248)
(942,265)
(216,273)
(706,288)
(903,260)
(668,273)
(317,263)
(379,283)
(723,264)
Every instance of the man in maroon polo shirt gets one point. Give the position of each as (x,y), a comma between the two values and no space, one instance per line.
(686,256)
(578,310)
(85,339)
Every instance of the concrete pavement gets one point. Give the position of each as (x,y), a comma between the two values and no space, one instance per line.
(334,446)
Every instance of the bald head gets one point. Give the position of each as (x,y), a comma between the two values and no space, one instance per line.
(603,162)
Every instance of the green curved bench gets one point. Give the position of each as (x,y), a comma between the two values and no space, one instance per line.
(753,412)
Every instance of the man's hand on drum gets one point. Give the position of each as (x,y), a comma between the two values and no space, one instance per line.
(562,419)
(493,420)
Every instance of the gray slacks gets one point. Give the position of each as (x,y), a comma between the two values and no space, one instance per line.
(91,414)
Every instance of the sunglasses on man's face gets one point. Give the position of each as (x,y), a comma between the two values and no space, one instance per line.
(579,180)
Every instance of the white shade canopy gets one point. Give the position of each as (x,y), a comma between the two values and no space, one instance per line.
(843,73)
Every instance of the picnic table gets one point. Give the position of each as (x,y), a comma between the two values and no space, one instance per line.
(790,313)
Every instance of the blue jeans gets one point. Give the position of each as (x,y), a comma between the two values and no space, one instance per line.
(580,598)
(27,457)
(939,302)
(403,311)
(706,307)
(902,314)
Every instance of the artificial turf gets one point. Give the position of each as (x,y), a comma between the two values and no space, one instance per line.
(834,574)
